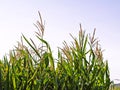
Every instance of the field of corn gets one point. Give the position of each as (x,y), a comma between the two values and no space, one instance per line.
(79,66)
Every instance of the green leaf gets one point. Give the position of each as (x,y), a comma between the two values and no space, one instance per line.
(31,46)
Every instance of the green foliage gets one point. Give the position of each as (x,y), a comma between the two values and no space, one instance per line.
(80,65)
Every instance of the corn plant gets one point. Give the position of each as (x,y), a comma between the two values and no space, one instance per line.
(80,65)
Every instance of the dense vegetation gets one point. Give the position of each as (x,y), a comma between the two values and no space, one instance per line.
(79,66)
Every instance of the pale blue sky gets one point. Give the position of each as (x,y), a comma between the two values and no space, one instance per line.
(61,18)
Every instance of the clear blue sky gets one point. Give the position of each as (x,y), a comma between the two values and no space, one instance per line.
(61,18)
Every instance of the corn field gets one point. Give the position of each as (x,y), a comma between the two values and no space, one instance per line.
(79,66)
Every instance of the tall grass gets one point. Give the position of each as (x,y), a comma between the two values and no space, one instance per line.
(80,65)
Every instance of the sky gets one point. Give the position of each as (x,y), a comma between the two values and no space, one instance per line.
(62,17)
